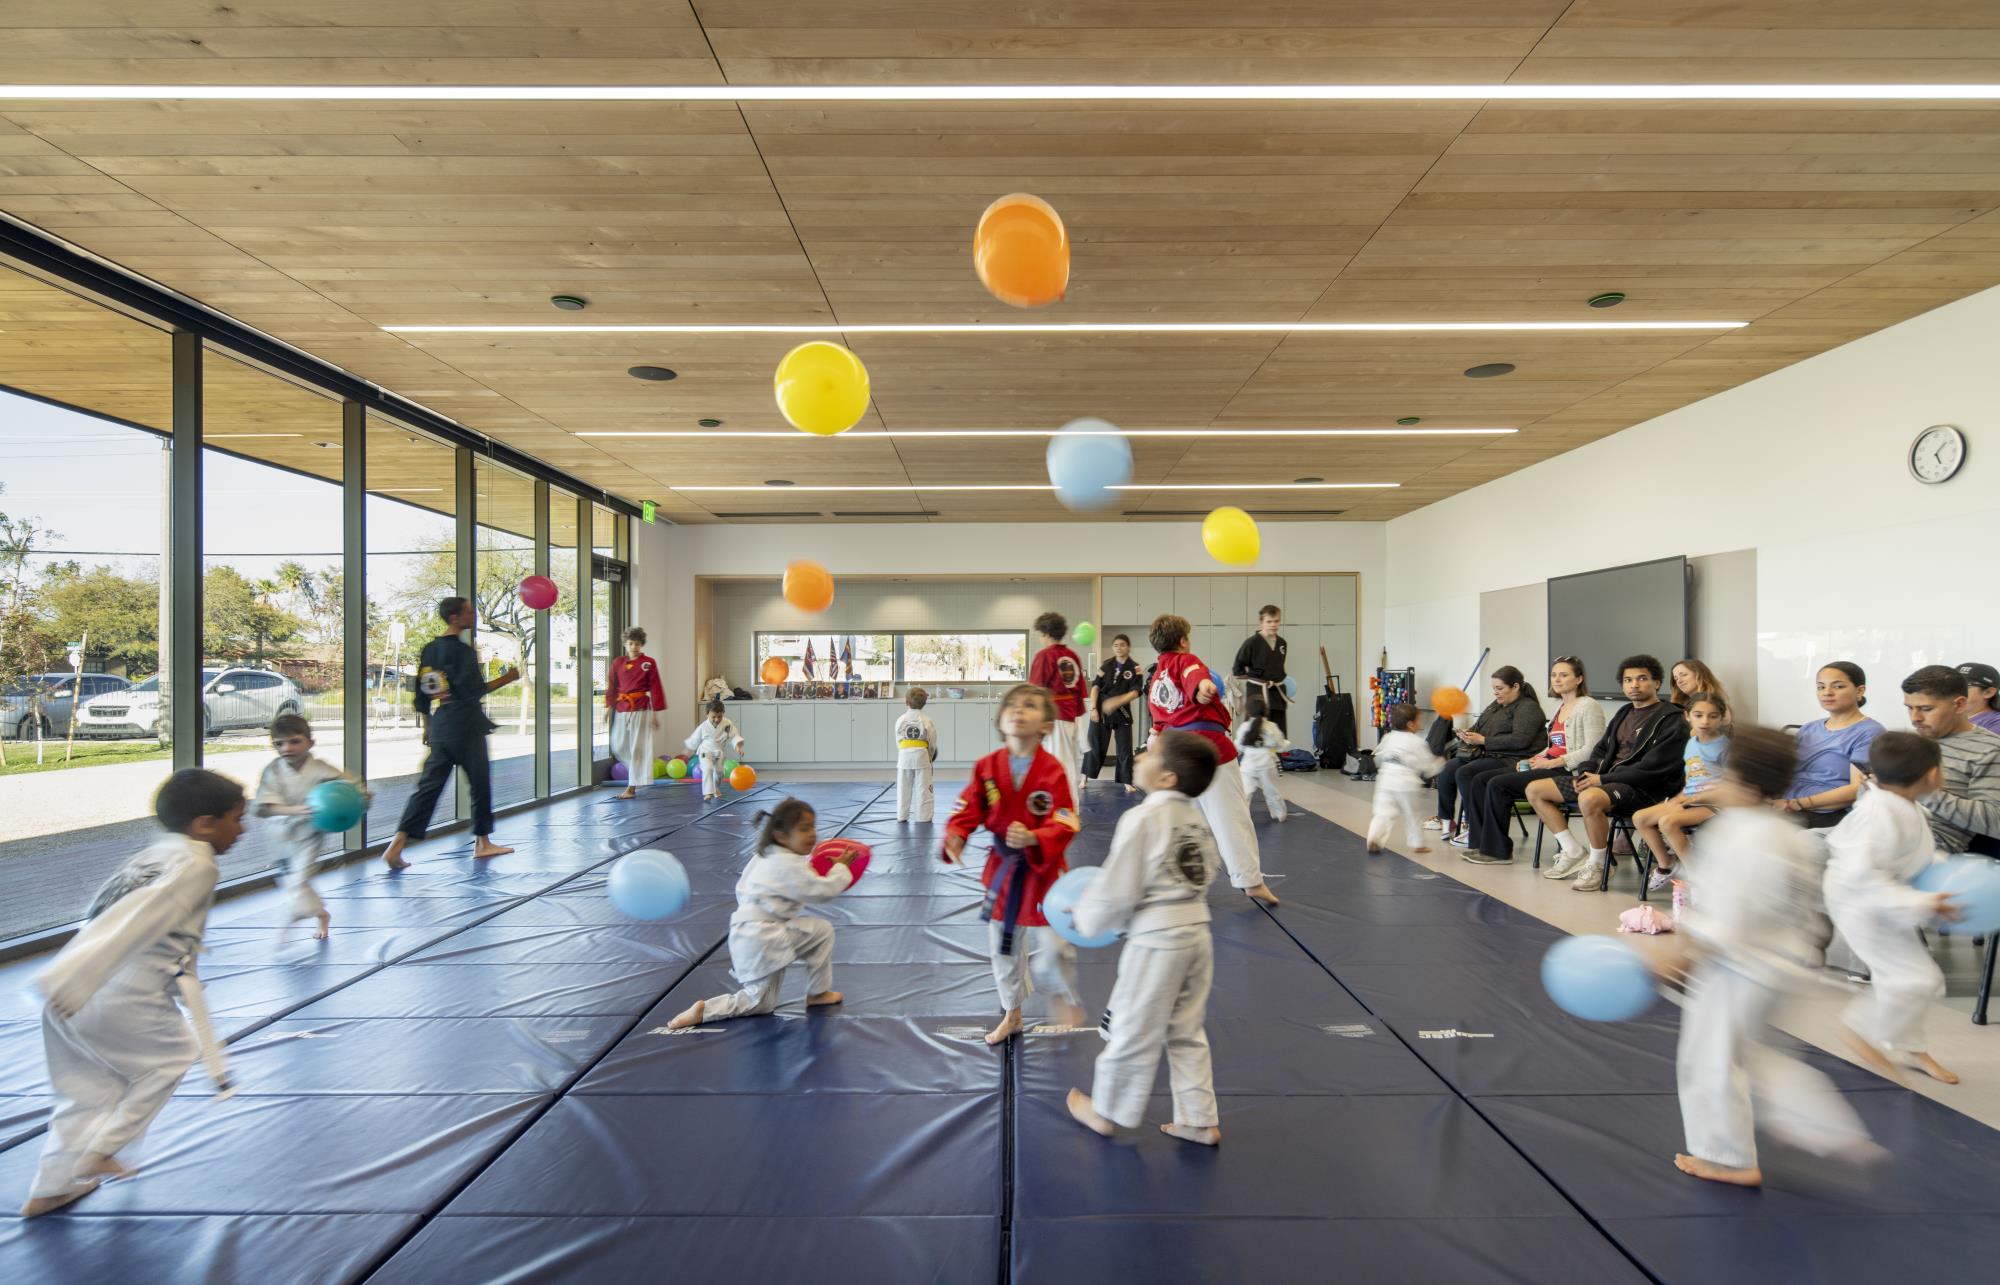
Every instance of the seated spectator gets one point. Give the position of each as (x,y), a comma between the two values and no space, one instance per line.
(1833,752)
(1665,826)
(1573,733)
(1982,704)
(1689,678)
(1966,813)
(1635,765)
(1512,727)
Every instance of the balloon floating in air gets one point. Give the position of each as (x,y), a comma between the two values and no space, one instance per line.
(822,388)
(1085,461)
(1021,251)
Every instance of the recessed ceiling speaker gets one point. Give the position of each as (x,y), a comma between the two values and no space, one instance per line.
(569,302)
(660,374)
(1491,370)
(709,423)
(1609,299)
(1410,419)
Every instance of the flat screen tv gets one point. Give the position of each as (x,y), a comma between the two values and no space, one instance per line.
(1604,616)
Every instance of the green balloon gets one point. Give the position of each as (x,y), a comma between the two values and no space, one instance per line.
(676,769)
(729,766)
(1086,633)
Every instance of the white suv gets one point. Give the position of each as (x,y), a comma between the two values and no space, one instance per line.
(230,699)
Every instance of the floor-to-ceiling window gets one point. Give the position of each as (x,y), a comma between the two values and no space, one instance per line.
(608,622)
(569,658)
(504,509)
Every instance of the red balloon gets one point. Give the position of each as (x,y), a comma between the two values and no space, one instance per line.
(832,850)
(538,593)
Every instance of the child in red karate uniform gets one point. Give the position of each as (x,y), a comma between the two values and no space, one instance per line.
(1021,794)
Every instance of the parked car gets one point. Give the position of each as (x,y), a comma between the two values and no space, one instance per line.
(18,712)
(230,699)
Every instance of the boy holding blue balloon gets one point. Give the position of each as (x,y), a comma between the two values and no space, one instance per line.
(286,790)
(1154,889)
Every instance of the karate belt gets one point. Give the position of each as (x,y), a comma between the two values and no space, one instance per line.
(912,745)
(1013,875)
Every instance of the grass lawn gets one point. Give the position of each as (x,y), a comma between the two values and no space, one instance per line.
(21,754)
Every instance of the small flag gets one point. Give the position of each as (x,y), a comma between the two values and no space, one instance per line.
(809,660)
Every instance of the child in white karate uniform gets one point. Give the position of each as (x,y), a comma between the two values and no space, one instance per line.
(916,750)
(1882,844)
(282,791)
(768,934)
(1154,889)
(1756,947)
(1259,742)
(1403,761)
(117,1043)
(712,741)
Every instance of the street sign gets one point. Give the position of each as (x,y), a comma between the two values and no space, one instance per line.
(398,631)
(75,659)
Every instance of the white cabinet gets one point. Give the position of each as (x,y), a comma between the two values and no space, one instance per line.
(1121,598)
(1302,600)
(1337,600)
(1156,598)
(1229,602)
(1191,599)
(795,732)
(872,723)
(973,734)
(1261,592)
(833,732)
(757,723)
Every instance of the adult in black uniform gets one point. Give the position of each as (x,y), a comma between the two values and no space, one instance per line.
(1112,693)
(450,689)
(1260,663)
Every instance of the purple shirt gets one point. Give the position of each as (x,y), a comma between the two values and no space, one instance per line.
(1825,757)
(1990,720)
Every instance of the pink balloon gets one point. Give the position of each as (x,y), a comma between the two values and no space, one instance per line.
(538,592)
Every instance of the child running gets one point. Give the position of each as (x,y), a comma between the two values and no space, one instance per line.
(635,697)
(282,792)
(1883,843)
(117,1043)
(1258,744)
(1403,762)
(768,934)
(916,750)
(1182,693)
(1020,793)
(1665,826)
(1154,890)
(713,739)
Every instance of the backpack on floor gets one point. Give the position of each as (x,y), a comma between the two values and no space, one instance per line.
(1298,761)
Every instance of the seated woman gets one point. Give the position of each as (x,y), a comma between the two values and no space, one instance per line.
(1573,733)
(1689,678)
(1512,727)
(1833,752)
(1665,826)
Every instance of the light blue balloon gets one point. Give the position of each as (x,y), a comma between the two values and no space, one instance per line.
(1974,884)
(1061,900)
(1597,978)
(1291,688)
(336,806)
(1085,461)
(649,884)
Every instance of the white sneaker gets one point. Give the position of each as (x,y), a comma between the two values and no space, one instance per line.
(1566,864)
(1591,877)
(1432,823)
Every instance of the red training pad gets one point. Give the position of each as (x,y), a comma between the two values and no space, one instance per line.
(832,850)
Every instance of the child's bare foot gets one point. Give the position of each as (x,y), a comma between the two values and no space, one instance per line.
(629,794)
(40,1205)
(688,1017)
(1871,1057)
(1376,847)
(1064,1013)
(1081,1111)
(1207,1135)
(1421,848)
(1262,894)
(1929,1066)
(1696,1167)
(325,923)
(392,855)
(486,849)
(823,998)
(96,1166)
(1009,1025)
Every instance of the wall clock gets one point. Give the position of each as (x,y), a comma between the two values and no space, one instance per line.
(1937,454)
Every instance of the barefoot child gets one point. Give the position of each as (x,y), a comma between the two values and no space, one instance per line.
(916,750)
(1403,761)
(282,792)
(1182,694)
(1753,929)
(1883,843)
(1020,793)
(1665,826)
(712,741)
(1259,744)
(635,697)
(117,1043)
(1155,889)
(768,934)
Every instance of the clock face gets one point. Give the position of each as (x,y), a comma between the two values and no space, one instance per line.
(1937,454)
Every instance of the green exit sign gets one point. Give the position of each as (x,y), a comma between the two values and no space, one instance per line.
(647,510)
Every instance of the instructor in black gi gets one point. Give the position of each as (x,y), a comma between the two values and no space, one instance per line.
(1260,663)
(1112,694)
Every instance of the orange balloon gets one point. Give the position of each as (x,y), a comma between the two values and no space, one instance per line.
(776,670)
(1450,702)
(1021,251)
(808,586)
(743,777)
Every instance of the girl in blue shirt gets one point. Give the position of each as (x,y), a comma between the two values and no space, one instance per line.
(1665,826)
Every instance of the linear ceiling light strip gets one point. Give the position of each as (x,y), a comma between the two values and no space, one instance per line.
(1011,93)
(1074,328)
(863,435)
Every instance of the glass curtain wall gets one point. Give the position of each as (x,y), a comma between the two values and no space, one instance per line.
(569,659)
(505,555)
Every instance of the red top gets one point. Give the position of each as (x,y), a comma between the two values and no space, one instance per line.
(1043,803)
(1058,668)
(1172,702)
(634,685)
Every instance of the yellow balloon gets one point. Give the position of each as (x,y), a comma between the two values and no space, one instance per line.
(822,388)
(1230,535)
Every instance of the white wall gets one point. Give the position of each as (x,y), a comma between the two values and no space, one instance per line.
(1806,467)
(666,561)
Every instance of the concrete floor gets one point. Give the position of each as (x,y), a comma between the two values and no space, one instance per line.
(1972,1051)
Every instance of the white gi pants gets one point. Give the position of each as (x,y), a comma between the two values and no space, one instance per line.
(301,902)
(1391,805)
(1066,744)
(1265,779)
(1903,978)
(755,948)
(1731,1080)
(1226,808)
(913,786)
(112,1066)
(1037,951)
(632,745)
(1159,1002)
(711,775)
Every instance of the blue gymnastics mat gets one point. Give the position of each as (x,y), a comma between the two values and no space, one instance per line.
(473,1081)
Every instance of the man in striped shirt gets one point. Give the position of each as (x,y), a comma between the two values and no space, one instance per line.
(1966,813)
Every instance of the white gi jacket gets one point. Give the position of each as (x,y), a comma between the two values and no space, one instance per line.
(149,917)
(1877,848)
(773,890)
(712,740)
(280,784)
(1760,878)
(1261,755)
(1403,760)
(1163,858)
(915,725)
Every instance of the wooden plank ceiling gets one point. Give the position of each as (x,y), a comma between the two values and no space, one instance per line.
(323,222)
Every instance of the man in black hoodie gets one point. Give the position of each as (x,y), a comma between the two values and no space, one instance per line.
(1636,764)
